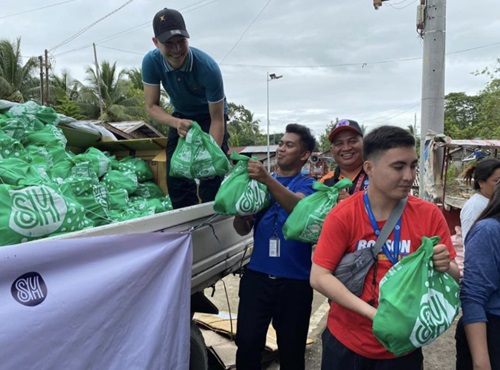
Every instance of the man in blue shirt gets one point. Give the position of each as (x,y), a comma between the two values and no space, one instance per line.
(193,82)
(275,287)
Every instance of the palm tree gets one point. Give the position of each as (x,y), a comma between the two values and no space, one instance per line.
(242,126)
(135,76)
(17,81)
(119,103)
(64,87)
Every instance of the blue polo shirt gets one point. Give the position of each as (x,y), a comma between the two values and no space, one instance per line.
(191,87)
(295,259)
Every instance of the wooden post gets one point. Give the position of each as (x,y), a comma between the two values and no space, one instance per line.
(98,75)
(42,96)
(47,90)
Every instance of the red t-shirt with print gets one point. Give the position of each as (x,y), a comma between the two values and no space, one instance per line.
(346,229)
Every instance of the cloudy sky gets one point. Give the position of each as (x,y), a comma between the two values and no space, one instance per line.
(338,59)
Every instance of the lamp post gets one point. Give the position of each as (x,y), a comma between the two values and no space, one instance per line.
(270,77)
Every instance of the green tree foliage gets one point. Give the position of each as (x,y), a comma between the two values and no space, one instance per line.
(63,88)
(477,116)
(69,108)
(17,80)
(242,127)
(460,114)
(119,102)
(324,142)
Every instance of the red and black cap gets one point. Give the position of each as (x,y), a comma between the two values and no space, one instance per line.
(345,124)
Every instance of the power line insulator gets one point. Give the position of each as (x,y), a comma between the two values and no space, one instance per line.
(377,3)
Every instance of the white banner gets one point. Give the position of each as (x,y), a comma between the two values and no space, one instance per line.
(109,302)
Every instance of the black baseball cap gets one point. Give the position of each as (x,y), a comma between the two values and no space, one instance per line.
(168,23)
(345,124)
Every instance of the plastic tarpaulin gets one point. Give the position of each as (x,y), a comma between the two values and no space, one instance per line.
(107,302)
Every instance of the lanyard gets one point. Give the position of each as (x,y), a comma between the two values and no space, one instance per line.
(275,204)
(361,178)
(393,257)
(355,188)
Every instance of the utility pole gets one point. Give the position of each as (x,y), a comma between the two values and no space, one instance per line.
(98,75)
(433,73)
(270,77)
(47,91)
(42,96)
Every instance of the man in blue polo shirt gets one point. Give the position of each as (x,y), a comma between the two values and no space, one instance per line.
(275,287)
(193,81)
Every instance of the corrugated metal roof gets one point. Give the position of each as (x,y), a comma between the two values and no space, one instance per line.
(127,126)
(477,143)
(236,149)
(259,149)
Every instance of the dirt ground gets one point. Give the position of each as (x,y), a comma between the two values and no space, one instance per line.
(440,355)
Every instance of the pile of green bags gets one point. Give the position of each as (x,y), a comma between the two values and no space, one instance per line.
(47,190)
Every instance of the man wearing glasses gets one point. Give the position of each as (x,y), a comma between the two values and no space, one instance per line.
(193,81)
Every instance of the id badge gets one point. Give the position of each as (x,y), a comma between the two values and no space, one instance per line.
(274,247)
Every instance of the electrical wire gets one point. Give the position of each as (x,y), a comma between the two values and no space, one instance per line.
(36,9)
(244,32)
(360,64)
(85,29)
(123,51)
(401,7)
(136,27)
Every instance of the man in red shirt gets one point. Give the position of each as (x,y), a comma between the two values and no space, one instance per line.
(390,162)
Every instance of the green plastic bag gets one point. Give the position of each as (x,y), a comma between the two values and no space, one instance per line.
(93,197)
(198,156)
(118,201)
(417,303)
(34,212)
(16,127)
(38,115)
(135,165)
(306,220)
(10,148)
(238,193)
(46,137)
(99,161)
(16,171)
(148,190)
(114,180)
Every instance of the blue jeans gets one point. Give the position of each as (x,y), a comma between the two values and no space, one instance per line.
(336,356)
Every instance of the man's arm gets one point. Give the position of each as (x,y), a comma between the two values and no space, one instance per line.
(243,224)
(327,284)
(153,109)
(442,262)
(286,198)
(217,121)
(478,345)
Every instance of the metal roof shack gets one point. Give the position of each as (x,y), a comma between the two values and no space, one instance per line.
(131,129)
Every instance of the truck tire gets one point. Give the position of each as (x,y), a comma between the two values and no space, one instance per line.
(198,357)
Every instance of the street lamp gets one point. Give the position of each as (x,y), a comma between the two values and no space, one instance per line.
(270,77)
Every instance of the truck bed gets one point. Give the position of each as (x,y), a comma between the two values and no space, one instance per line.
(217,249)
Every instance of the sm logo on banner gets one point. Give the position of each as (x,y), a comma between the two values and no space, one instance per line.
(29,289)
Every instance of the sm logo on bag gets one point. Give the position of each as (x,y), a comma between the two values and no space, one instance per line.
(29,289)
